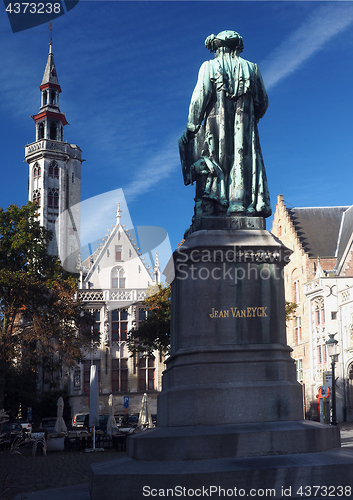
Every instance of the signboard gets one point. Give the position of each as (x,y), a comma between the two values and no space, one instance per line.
(324,391)
(126,401)
(328,379)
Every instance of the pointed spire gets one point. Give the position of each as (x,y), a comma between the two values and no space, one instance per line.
(157,270)
(118,214)
(50,75)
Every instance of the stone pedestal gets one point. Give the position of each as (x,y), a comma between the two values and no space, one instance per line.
(230,394)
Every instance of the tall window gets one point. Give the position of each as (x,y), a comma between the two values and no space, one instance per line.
(53,131)
(36,171)
(299,369)
(118,252)
(36,197)
(142,315)
(119,373)
(53,170)
(119,324)
(118,279)
(319,311)
(146,370)
(41,131)
(87,373)
(296,291)
(95,328)
(298,330)
(53,198)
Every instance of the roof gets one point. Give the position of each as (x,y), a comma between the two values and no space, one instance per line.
(318,228)
(50,75)
(345,234)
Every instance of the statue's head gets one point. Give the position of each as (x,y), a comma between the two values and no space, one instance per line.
(228,39)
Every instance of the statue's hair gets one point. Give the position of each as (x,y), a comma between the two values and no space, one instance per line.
(229,39)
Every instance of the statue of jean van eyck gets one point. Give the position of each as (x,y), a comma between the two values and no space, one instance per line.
(220,149)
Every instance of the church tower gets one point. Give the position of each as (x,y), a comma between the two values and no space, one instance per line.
(55,172)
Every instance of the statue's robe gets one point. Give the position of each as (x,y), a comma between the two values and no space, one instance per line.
(230,98)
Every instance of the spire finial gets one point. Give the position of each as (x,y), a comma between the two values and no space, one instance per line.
(50,26)
(118,214)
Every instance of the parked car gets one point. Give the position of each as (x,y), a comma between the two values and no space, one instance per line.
(25,423)
(10,431)
(130,420)
(48,424)
(78,419)
(103,421)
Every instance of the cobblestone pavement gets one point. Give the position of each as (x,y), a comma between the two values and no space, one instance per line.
(20,472)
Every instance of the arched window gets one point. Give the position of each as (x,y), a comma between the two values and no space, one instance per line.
(53,131)
(53,198)
(53,170)
(36,197)
(45,97)
(118,278)
(319,311)
(41,131)
(53,97)
(36,171)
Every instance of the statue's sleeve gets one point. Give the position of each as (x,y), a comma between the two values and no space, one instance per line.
(260,95)
(200,98)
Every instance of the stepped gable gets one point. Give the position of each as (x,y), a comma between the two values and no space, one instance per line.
(317,228)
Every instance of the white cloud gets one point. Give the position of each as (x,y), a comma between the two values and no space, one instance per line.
(153,170)
(320,27)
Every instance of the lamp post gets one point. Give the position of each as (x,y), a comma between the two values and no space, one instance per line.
(333,352)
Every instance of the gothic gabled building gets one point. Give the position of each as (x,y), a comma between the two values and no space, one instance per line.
(55,172)
(319,279)
(114,283)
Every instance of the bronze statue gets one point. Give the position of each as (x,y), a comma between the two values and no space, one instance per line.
(220,149)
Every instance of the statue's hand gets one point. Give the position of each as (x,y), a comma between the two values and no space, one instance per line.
(184,139)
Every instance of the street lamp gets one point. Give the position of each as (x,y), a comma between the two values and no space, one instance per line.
(333,352)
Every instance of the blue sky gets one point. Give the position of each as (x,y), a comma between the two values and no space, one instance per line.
(127,71)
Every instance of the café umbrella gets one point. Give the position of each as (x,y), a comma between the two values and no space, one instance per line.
(60,425)
(94,405)
(145,419)
(111,425)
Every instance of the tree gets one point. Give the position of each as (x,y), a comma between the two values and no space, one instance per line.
(291,307)
(153,333)
(40,320)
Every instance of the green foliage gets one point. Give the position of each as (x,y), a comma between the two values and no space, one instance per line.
(40,320)
(153,333)
(291,307)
